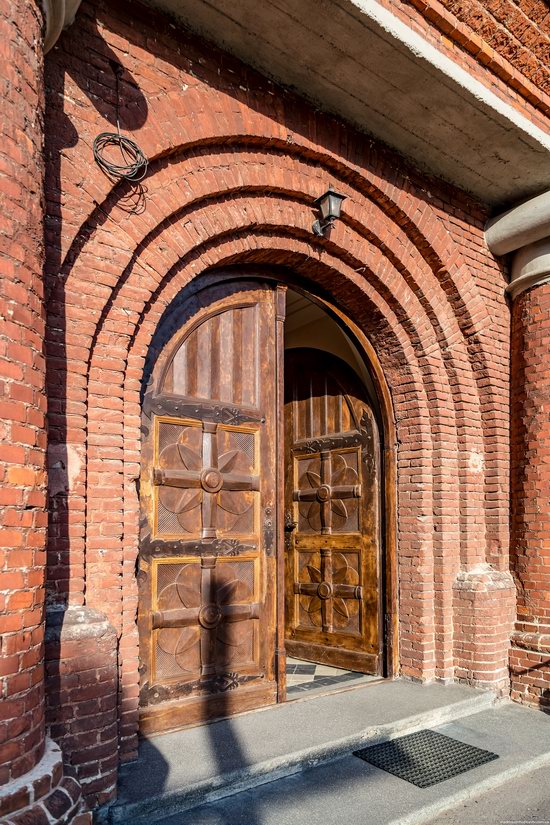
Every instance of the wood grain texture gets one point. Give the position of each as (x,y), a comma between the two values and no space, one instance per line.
(279,511)
(332,515)
(207,609)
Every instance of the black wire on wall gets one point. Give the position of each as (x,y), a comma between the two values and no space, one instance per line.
(132,165)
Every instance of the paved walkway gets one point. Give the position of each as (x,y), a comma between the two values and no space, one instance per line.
(183,769)
(351,791)
(524,801)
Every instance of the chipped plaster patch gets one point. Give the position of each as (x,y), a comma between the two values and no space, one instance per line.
(65,462)
(476,462)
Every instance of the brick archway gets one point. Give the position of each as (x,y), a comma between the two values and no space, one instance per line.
(407,264)
(441,525)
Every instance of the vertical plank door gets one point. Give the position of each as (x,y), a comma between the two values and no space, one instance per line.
(207,564)
(332,515)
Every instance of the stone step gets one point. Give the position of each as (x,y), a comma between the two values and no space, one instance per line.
(352,791)
(180,771)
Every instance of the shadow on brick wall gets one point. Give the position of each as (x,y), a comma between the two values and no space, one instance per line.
(81,646)
(66,458)
(527,685)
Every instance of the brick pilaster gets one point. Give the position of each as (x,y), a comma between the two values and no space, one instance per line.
(530,545)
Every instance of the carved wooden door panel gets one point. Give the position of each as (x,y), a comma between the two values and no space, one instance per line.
(332,553)
(207,565)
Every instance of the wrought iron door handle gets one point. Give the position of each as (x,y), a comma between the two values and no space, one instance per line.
(290,525)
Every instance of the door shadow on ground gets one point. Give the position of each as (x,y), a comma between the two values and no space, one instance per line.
(155,773)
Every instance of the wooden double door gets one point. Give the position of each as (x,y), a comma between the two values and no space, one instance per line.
(260,515)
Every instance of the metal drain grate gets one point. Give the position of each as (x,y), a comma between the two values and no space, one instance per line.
(425,758)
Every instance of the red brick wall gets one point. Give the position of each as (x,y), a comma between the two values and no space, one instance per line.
(81,710)
(22,398)
(504,43)
(530,538)
(517,30)
(235,164)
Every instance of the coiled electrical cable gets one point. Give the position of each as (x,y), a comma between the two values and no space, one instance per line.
(133,165)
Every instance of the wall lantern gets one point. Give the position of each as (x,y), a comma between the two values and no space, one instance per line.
(329,206)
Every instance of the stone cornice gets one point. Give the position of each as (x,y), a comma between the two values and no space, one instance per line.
(58,15)
(524,230)
(522,225)
(506,69)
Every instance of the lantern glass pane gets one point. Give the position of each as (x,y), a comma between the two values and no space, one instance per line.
(325,207)
(334,206)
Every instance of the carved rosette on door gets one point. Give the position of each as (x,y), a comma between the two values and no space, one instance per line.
(206,486)
(205,474)
(202,617)
(332,493)
(207,600)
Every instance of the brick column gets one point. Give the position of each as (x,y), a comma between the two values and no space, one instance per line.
(483,620)
(530,491)
(523,231)
(33,788)
(22,398)
(81,707)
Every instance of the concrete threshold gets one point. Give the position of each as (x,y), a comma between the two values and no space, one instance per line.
(180,771)
(350,790)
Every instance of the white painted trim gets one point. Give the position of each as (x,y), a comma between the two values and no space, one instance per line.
(531,267)
(524,224)
(58,15)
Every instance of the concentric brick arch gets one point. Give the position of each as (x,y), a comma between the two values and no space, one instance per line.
(213,208)
(433,312)
(397,200)
(274,253)
(235,165)
(462,317)
(432,246)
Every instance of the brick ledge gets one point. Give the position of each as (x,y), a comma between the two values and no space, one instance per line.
(535,642)
(44,796)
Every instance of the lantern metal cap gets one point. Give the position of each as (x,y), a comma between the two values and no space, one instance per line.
(330,191)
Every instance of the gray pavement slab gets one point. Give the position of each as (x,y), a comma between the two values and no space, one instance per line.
(524,800)
(352,791)
(184,769)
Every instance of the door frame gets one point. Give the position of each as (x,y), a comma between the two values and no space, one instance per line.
(353,441)
(167,704)
(283,279)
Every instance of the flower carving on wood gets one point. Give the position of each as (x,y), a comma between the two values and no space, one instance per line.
(225,632)
(186,502)
(341,475)
(342,573)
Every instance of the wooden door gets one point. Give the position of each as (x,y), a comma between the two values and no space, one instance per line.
(332,553)
(207,565)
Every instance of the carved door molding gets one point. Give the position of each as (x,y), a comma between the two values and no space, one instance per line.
(332,515)
(207,565)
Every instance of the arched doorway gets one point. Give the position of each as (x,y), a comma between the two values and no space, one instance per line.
(236,532)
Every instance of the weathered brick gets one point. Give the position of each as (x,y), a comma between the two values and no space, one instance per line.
(409,266)
(21,341)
